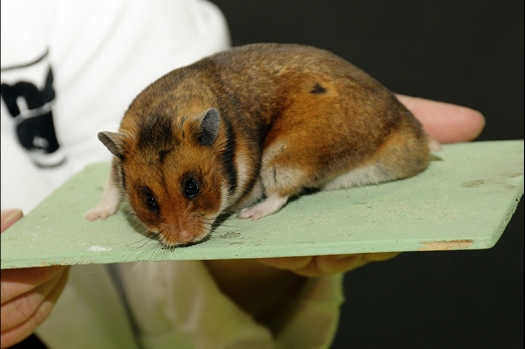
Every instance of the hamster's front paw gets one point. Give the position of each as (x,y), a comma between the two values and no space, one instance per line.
(100,212)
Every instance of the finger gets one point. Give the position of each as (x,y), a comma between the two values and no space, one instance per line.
(15,335)
(288,263)
(380,257)
(327,265)
(445,122)
(9,217)
(19,281)
(23,307)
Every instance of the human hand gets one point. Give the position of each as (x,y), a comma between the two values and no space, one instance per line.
(28,294)
(445,123)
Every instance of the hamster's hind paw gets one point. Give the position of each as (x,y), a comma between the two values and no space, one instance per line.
(269,206)
(100,212)
(434,145)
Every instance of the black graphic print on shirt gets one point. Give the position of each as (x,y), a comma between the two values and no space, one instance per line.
(31,109)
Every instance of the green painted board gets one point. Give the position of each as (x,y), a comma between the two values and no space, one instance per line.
(463,201)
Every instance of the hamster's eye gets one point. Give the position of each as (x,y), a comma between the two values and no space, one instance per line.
(151,203)
(191,188)
(149,199)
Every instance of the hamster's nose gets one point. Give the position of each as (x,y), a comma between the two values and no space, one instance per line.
(185,236)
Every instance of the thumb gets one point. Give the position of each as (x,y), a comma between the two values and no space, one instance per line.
(9,217)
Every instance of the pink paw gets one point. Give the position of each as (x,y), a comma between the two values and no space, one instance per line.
(100,212)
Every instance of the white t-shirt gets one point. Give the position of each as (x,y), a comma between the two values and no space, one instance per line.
(69,70)
(99,56)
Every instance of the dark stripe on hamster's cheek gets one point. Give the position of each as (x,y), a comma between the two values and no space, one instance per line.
(122,177)
(228,157)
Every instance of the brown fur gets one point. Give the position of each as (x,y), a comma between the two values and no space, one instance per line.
(290,116)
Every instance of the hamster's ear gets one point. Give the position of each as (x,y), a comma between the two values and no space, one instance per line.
(113,141)
(209,126)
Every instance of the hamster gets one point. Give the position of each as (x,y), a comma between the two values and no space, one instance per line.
(256,121)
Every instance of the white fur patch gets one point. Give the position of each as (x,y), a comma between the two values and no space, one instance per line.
(225,199)
(370,174)
(241,163)
(109,202)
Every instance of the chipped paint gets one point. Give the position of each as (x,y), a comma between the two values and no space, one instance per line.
(99,249)
(445,245)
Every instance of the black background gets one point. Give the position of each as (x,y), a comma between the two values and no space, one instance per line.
(464,52)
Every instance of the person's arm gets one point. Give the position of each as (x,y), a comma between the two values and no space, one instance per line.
(277,280)
(28,294)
